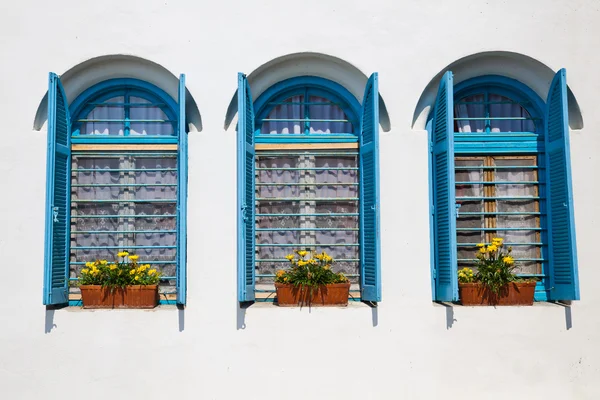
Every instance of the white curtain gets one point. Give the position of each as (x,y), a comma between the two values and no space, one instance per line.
(138,111)
(295,109)
(100,176)
(503,107)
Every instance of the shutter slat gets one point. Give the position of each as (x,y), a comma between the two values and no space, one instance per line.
(563,275)
(369,186)
(58,172)
(182,179)
(444,218)
(246,181)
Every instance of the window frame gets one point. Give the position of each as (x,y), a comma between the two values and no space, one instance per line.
(499,144)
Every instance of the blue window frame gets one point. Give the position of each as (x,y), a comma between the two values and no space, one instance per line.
(308,179)
(117,181)
(492,174)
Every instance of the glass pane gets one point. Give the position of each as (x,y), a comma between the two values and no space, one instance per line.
(139,110)
(470,107)
(291,109)
(519,221)
(464,188)
(100,119)
(504,107)
(327,117)
(108,184)
(338,235)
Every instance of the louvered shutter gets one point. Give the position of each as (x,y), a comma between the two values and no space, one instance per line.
(563,276)
(370,266)
(444,209)
(245,177)
(58,192)
(182,171)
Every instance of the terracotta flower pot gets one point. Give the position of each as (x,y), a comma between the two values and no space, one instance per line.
(335,294)
(135,296)
(513,294)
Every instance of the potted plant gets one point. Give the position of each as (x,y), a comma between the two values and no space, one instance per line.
(494,283)
(311,282)
(122,284)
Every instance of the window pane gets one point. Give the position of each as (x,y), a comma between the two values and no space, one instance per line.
(476,114)
(519,221)
(470,223)
(101,115)
(125,189)
(506,108)
(310,209)
(139,110)
(470,107)
(292,108)
(329,117)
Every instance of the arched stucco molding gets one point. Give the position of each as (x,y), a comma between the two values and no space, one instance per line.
(98,69)
(308,64)
(525,69)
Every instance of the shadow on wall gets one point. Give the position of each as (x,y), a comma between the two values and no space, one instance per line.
(308,64)
(525,69)
(98,69)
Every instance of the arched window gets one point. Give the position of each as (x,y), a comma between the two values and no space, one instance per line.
(307,170)
(117,168)
(490,178)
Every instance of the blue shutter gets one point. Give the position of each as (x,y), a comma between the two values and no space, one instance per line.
(245,178)
(370,255)
(182,160)
(58,196)
(444,209)
(563,276)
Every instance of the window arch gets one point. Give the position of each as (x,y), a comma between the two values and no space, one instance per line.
(493,176)
(122,109)
(307,169)
(117,181)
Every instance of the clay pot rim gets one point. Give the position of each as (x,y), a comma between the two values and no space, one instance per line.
(471,284)
(128,286)
(282,285)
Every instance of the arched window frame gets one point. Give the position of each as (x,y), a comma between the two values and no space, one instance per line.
(63,140)
(364,138)
(104,90)
(307,86)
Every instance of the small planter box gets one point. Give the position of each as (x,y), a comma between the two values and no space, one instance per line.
(135,296)
(335,294)
(514,294)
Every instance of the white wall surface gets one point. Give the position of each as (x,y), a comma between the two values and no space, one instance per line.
(407,348)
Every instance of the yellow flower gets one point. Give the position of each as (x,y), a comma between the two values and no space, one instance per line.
(122,254)
(327,258)
(508,260)
(497,240)
(85,271)
(133,257)
(319,256)
(103,262)
(113,267)
(152,272)
(280,273)
(290,257)
(302,263)
(326,267)
(137,277)
(480,244)
(285,279)
(132,272)
(302,253)
(482,250)
(89,264)
(492,248)
(312,261)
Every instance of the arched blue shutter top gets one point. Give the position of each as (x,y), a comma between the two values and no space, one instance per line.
(563,275)
(444,197)
(58,194)
(370,256)
(182,160)
(245,203)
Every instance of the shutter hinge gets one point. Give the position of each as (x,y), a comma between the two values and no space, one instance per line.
(55,214)
(457,208)
(434,273)
(431,147)
(432,208)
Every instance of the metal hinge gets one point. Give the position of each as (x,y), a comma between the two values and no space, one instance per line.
(434,273)
(432,208)
(431,147)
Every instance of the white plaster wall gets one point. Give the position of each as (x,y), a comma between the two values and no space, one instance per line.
(407,347)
